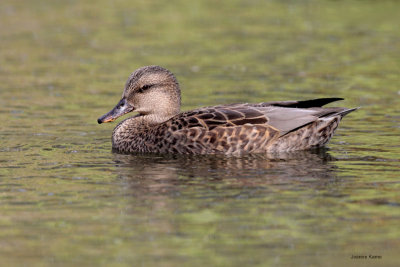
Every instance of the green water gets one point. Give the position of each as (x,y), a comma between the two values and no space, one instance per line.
(67,200)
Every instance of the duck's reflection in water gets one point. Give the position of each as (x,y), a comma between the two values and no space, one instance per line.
(164,191)
(172,173)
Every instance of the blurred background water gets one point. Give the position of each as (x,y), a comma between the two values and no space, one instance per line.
(67,199)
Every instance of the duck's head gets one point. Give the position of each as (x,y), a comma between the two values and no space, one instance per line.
(150,90)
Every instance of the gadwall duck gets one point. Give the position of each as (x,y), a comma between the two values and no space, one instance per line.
(153,92)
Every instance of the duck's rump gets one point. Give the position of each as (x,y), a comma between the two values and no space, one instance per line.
(253,128)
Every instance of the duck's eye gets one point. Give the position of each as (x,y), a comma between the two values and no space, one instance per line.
(121,103)
(144,87)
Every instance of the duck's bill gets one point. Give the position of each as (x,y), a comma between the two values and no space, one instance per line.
(120,109)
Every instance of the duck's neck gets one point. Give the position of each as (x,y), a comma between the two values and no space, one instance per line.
(154,119)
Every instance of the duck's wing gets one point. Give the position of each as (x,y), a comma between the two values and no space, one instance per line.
(240,128)
(230,129)
(319,102)
(281,119)
(223,116)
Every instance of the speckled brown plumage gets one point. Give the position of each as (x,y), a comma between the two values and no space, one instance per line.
(225,129)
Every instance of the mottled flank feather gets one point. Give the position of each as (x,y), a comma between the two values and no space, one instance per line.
(225,129)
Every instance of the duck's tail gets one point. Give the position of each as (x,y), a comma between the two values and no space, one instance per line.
(343,112)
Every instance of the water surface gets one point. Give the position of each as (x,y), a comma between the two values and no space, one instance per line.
(67,199)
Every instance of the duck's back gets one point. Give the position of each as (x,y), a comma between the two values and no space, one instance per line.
(250,128)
